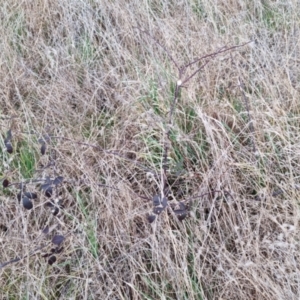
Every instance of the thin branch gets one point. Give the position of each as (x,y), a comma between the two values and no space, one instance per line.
(72,182)
(105,151)
(35,251)
(22,257)
(179,85)
(209,193)
(168,139)
(193,74)
(212,55)
(26,182)
(162,46)
(9,118)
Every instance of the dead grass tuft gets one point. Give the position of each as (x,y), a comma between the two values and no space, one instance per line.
(84,73)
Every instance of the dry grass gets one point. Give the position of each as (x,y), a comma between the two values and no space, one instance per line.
(80,70)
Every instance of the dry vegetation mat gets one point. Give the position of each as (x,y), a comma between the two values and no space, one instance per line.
(150,149)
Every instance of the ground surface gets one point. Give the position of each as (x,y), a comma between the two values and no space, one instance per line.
(93,82)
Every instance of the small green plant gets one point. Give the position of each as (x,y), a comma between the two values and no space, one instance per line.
(50,186)
(26,161)
(185,74)
(30,189)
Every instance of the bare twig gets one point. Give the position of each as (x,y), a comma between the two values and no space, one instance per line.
(107,152)
(159,44)
(225,193)
(179,85)
(193,74)
(17,259)
(212,55)
(168,139)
